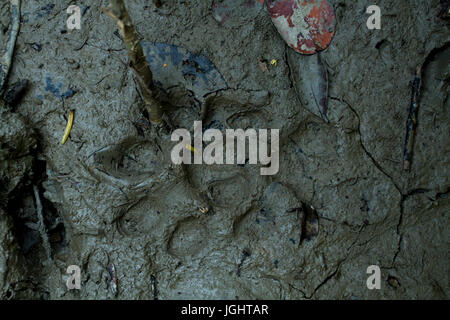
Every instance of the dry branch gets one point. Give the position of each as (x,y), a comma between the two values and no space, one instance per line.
(411,123)
(6,58)
(138,62)
(42,228)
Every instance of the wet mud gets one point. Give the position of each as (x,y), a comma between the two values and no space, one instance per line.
(340,202)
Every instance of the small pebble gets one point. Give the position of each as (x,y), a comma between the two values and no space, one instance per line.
(36,46)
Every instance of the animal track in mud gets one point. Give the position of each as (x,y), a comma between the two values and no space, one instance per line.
(155,214)
(247,119)
(132,160)
(144,218)
(224,192)
(231,187)
(273,228)
(188,239)
(275,203)
(224,112)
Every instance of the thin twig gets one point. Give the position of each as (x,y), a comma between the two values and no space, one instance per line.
(42,228)
(114,281)
(118,12)
(6,58)
(411,123)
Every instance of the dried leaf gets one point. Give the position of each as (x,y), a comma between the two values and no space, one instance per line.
(310,82)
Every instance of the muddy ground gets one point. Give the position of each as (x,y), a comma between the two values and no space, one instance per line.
(110,195)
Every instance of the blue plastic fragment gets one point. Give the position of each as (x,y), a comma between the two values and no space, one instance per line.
(56,89)
(175,66)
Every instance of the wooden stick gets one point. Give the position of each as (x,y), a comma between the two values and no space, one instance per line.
(41,224)
(6,58)
(118,12)
(411,123)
